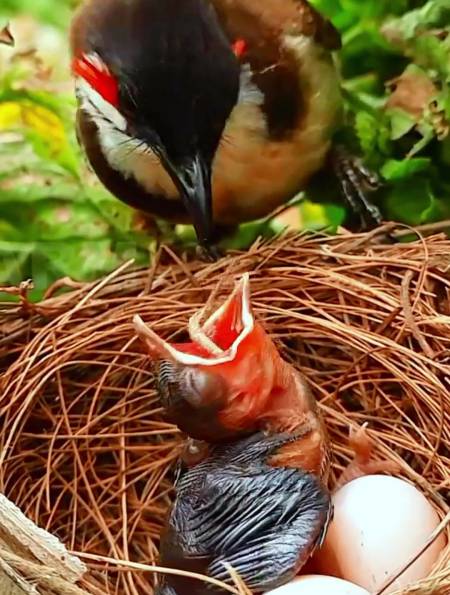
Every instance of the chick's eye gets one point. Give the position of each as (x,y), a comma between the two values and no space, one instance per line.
(91,69)
(204,389)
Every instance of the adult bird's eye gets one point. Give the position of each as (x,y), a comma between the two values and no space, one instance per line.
(94,71)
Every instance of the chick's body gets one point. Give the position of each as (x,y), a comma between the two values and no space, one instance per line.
(256,498)
(235,509)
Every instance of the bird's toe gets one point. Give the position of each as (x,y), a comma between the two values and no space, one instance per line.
(363,462)
(209,253)
(357,182)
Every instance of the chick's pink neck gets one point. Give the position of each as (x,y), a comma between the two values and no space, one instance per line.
(265,391)
(290,401)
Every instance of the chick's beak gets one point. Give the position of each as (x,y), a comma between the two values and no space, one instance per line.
(192,178)
(215,340)
(230,362)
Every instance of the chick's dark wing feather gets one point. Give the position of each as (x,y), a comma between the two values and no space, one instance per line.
(263,521)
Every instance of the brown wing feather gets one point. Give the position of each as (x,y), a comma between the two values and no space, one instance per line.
(278,17)
(264,24)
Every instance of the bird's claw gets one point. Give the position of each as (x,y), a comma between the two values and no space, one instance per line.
(356,182)
(209,253)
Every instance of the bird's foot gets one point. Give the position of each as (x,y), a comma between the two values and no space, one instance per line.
(356,183)
(209,253)
(362,463)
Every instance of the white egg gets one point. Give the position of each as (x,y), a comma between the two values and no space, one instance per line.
(379,523)
(319,585)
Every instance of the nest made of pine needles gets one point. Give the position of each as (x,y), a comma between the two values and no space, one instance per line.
(84,450)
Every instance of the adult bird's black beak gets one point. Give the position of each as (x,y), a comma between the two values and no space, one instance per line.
(192,177)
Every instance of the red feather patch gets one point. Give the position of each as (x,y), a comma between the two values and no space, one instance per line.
(97,75)
(239,47)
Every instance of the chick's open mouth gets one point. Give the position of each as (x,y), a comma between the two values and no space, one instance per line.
(212,342)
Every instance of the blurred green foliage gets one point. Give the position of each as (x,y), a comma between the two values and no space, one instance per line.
(55,220)
(395,63)
(52,12)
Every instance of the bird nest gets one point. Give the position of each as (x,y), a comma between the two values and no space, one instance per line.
(85,452)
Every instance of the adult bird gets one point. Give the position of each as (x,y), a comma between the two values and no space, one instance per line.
(210,111)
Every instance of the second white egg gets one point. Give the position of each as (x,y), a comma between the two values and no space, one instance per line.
(319,585)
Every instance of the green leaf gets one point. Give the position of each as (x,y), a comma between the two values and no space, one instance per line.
(55,221)
(401,123)
(428,134)
(328,7)
(13,257)
(24,193)
(186,234)
(433,54)
(80,259)
(445,152)
(373,134)
(247,234)
(395,169)
(7,231)
(366,129)
(55,13)
(320,216)
(412,202)
(434,14)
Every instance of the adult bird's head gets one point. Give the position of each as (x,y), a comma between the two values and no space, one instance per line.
(230,379)
(158,78)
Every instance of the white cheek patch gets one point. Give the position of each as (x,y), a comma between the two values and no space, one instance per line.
(110,123)
(248,91)
(125,154)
